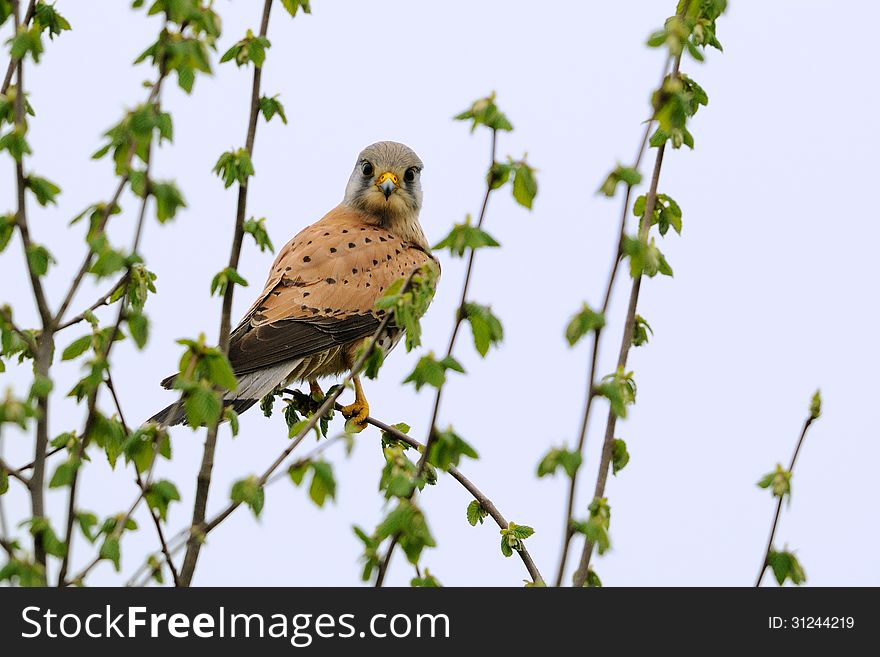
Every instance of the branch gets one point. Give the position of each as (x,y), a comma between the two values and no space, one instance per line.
(459,318)
(13,62)
(143,487)
(93,396)
(103,300)
(45,344)
(105,214)
(15,474)
(568,531)
(475,492)
(794,456)
(203,481)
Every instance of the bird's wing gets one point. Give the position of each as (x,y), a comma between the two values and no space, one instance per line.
(322,291)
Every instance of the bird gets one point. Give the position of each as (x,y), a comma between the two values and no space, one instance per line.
(318,306)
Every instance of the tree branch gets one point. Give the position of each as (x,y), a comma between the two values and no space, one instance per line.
(93,396)
(794,456)
(475,492)
(143,487)
(203,481)
(103,300)
(568,531)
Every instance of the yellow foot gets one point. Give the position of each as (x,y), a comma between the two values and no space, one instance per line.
(358,412)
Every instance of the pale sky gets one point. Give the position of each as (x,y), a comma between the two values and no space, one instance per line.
(769,299)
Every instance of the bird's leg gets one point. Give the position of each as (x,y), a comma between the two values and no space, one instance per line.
(315,389)
(357,412)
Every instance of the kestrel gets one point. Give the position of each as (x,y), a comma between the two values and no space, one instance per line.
(318,306)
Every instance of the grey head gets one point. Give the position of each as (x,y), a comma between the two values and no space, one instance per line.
(386,183)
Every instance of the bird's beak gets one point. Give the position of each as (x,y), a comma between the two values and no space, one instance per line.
(387,182)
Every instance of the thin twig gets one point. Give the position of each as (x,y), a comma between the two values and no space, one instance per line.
(568,531)
(15,474)
(93,395)
(794,456)
(203,481)
(51,452)
(143,487)
(475,492)
(459,318)
(104,300)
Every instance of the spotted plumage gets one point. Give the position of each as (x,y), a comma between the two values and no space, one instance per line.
(318,305)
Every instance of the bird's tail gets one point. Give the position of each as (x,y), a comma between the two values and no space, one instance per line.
(175,413)
(252,387)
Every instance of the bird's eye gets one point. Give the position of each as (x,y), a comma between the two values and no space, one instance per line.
(367,169)
(410,174)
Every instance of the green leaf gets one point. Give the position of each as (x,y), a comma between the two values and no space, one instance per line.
(619,455)
(816,405)
(202,405)
(641,329)
(47,18)
(430,371)
(425,581)
(7,228)
(39,258)
(15,143)
(27,40)
(568,460)
(627,175)
(44,190)
(138,326)
(512,538)
(87,522)
(786,566)
(293,5)
(251,49)
(221,281)
(585,321)
(272,106)
(619,389)
(525,187)
(159,495)
(257,229)
(77,347)
(448,448)
(486,327)
(4,481)
(595,528)
(645,258)
(248,491)
(234,166)
(485,112)
(168,199)
(110,551)
(65,473)
(464,237)
(323,482)
(778,481)
(476,513)
(592,580)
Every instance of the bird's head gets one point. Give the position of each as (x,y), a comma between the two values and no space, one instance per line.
(386,184)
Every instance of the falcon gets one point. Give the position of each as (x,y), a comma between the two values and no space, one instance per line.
(318,307)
